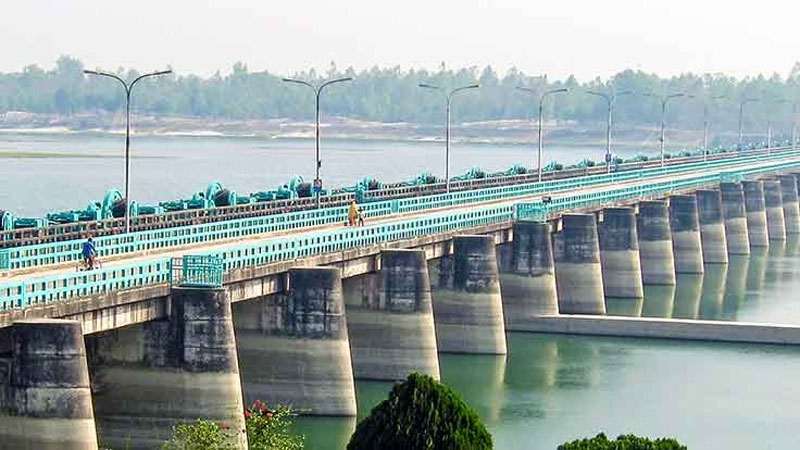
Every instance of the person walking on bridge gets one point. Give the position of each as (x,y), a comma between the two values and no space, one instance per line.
(89,253)
(352,214)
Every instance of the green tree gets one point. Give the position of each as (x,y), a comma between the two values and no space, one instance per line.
(421,414)
(626,442)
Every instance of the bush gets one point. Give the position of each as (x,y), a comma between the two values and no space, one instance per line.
(201,435)
(268,429)
(421,414)
(626,442)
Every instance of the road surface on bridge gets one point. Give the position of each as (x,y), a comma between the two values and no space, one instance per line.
(22,275)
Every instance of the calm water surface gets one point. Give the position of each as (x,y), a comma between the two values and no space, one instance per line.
(166,168)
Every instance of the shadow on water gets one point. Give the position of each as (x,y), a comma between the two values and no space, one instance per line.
(659,300)
(712,296)
(688,287)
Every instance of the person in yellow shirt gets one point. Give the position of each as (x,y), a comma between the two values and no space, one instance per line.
(352,214)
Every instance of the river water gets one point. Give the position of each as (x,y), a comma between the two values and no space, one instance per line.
(549,389)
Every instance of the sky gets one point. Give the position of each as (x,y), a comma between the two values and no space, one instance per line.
(585,38)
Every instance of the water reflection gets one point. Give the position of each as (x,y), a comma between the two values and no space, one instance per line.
(688,287)
(479,379)
(658,300)
(325,433)
(713,292)
(735,285)
(631,307)
(756,271)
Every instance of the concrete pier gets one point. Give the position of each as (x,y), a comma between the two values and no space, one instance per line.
(45,401)
(655,243)
(391,329)
(712,226)
(579,276)
(773,205)
(756,213)
(147,379)
(295,347)
(619,254)
(528,281)
(685,228)
(791,206)
(467,304)
(735,217)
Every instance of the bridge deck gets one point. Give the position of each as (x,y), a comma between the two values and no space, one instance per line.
(222,245)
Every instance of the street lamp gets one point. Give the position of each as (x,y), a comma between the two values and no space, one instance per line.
(769,124)
(317,185)
(741,118)
(448,96)
(706,122)
(610,98)
(128,89)
(541,112)
(664,100)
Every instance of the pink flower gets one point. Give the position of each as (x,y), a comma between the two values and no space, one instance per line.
(223,426)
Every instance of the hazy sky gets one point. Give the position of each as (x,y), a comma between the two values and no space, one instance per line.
(587,38)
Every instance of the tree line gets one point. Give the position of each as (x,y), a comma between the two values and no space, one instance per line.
(393,95)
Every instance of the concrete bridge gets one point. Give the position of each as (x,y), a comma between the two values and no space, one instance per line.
(196,323)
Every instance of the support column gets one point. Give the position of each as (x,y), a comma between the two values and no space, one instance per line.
(712,226)
(791,206)
(467,304)
(655,243)
(529,282)
(773,205)
(619,254)
(579,276)
(756,213)
(685,228)
(295,347)
(147,379)
(45,401)
(735,218)
(392,332)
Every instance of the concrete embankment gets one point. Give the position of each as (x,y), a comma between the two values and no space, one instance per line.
(694,330)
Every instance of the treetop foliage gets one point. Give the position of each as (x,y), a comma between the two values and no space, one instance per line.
(393,95)
(421,414)
(626,442)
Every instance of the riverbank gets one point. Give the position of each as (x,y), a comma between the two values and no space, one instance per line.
(507,132)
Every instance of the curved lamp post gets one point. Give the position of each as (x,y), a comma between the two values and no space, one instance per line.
(664,100)
(128,89)
(706,122)
(318,162)
(610,99)
(741,118)
(448,97)
(541,113)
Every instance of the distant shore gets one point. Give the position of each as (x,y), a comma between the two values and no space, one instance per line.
(501,132)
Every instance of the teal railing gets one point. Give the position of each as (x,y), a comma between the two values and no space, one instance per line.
(116,245)
(201,271)
(67,286)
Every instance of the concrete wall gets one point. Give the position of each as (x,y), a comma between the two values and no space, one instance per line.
(619,254)
(527,277)
(579,277)
(685,228)
(296,348)
(735,217)
(655,243)
(148,378)
(467,304)
(712,226)
(390,319)
(46,402)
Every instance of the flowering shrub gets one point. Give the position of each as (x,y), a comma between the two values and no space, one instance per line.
(267,429)
(201,435)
